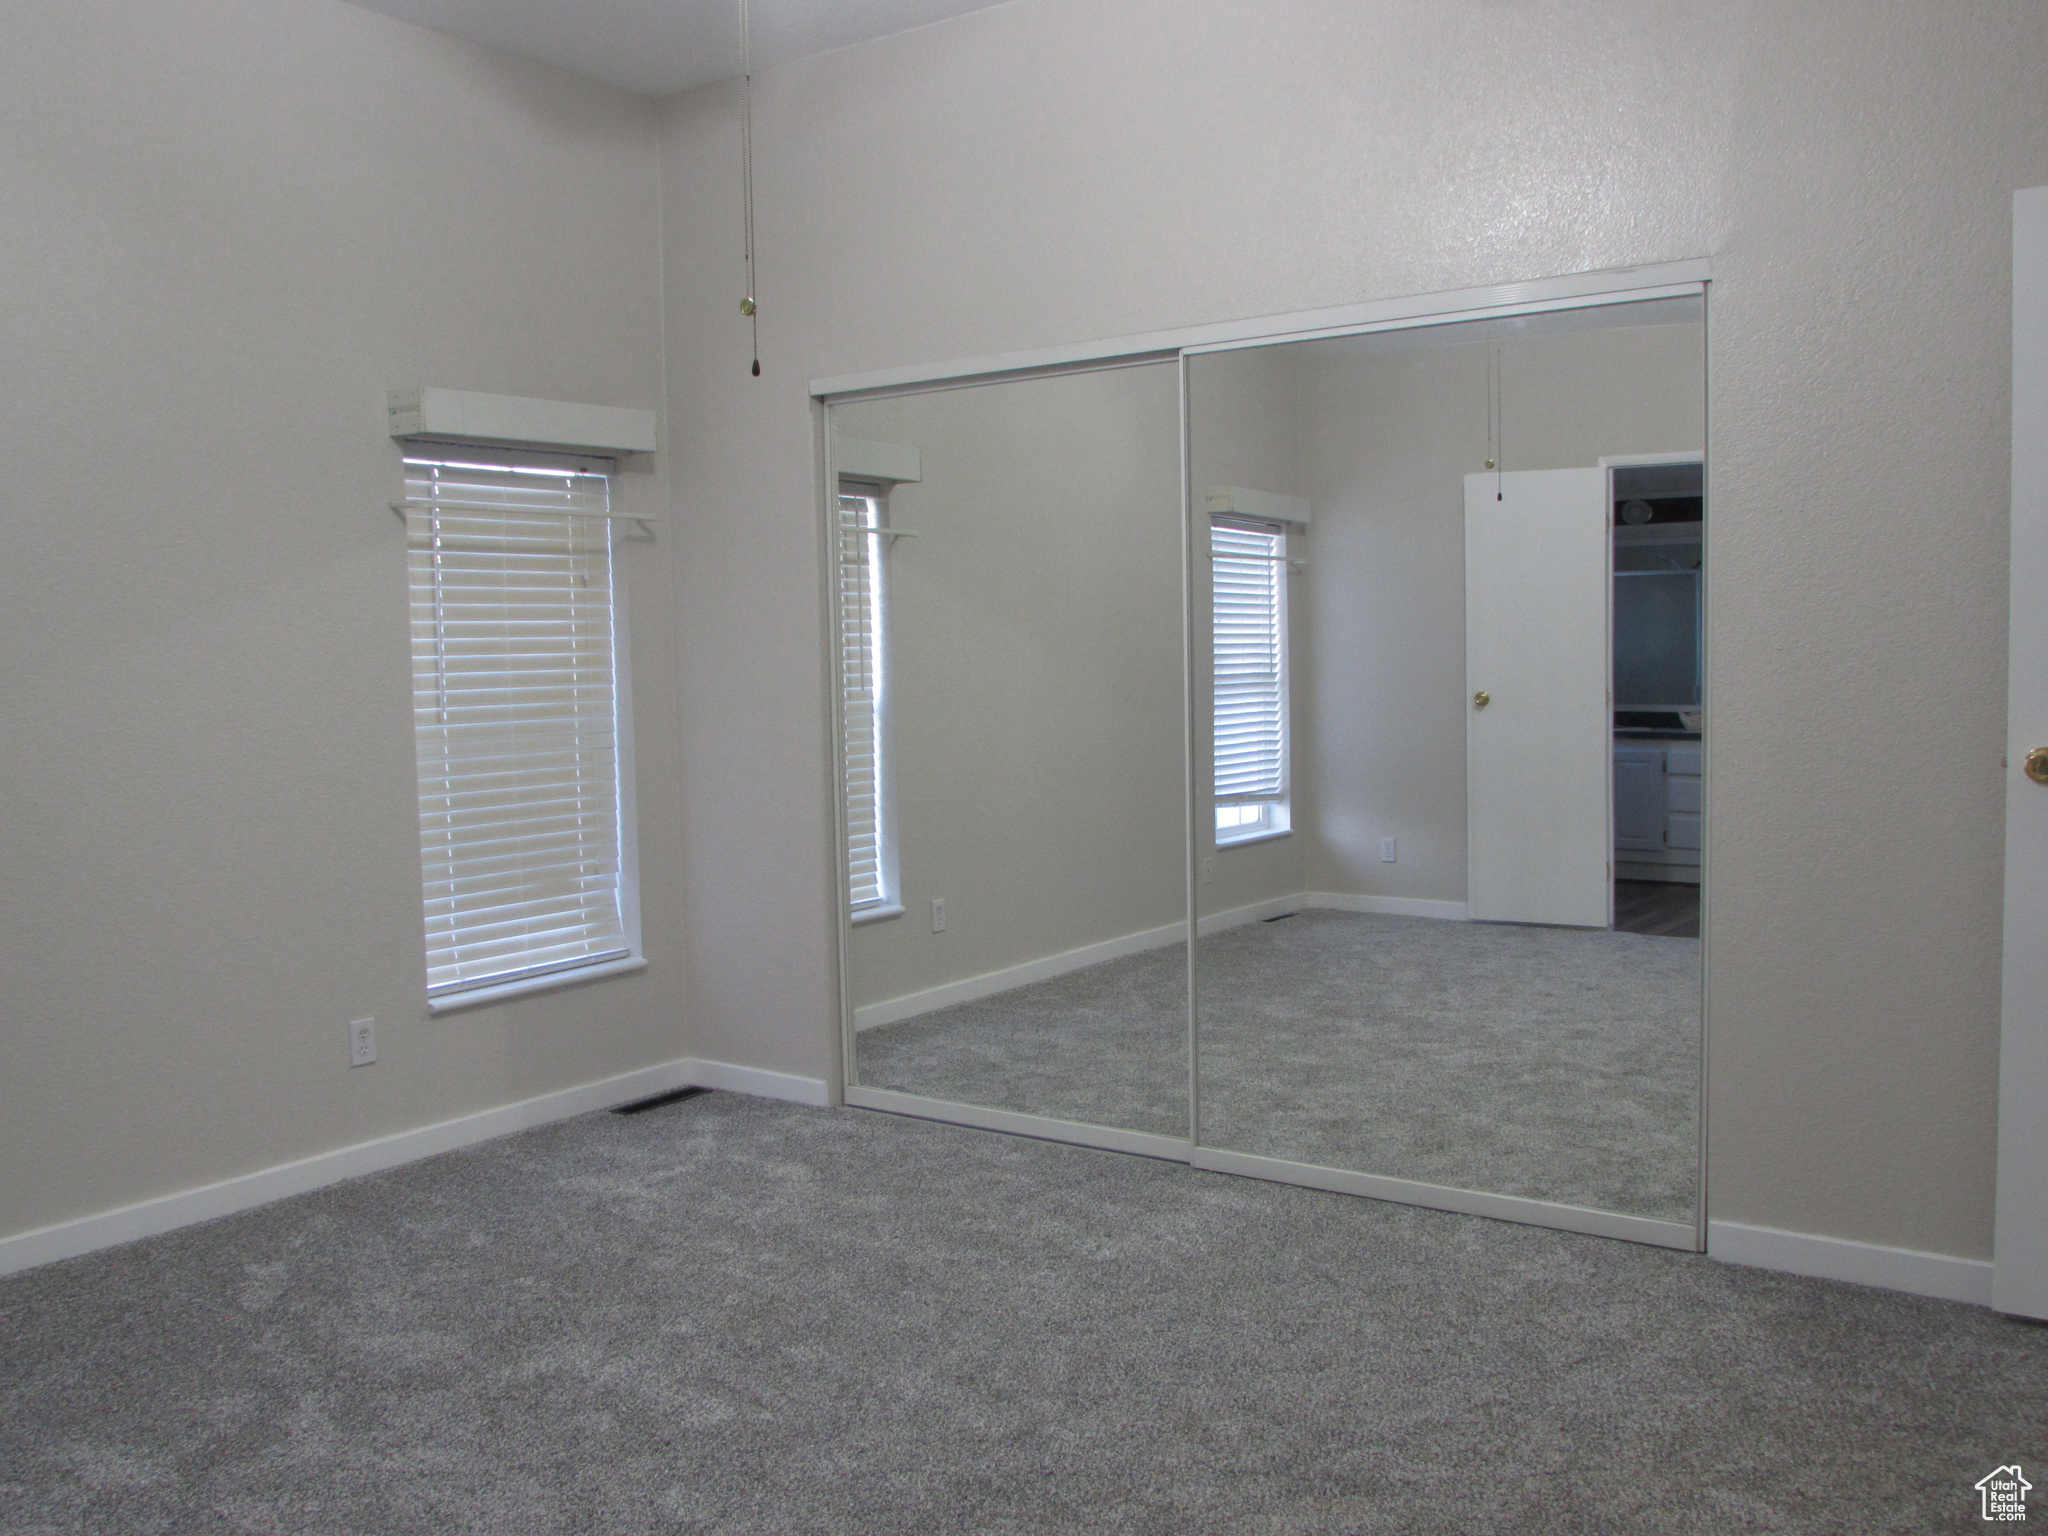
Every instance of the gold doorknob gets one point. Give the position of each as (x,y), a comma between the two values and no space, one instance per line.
(2037,765)
(1482,698)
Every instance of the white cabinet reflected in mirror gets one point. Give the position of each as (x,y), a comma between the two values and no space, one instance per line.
(1438,963)
(1009,593)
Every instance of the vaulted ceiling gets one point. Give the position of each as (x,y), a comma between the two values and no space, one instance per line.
(663,46)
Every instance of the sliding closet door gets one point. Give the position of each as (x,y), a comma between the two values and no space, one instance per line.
(1009,591)
(1408,981)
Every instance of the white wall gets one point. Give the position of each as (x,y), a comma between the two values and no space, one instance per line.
(230,226)
(1055,170)
(1036,722)
(1389,431)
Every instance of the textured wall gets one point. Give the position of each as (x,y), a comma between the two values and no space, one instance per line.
(1859,341)
(1057,170)
(231,225)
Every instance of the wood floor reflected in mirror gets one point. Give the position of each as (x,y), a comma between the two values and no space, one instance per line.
(1666,909)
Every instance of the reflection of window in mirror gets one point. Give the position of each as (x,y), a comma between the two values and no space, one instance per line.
(864,678)
(1248,630)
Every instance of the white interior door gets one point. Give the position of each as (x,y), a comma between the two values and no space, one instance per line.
(2019,1276)
(1539,737)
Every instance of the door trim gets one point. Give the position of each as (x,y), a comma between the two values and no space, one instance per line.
(1578,290)
(1611,462)
(2019,1265)
(1076,1133)
(1444,1197)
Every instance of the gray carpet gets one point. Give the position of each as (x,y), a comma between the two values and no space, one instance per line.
(1556,1063)
(1106,1045)
(736,1316)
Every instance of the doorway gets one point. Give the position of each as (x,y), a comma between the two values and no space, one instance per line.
(1657,508)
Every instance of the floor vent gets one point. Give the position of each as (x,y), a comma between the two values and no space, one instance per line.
(673,1096)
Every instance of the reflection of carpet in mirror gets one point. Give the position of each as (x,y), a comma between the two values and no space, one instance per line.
(1107,1045)
(1560,1064)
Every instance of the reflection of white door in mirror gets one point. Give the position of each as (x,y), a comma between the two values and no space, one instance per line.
(1539,750)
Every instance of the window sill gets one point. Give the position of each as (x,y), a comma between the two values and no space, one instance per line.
(527,986)
(875,915)
(1252,837)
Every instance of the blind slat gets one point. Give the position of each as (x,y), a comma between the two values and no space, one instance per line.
(860,668)
(515,706)
(1248,619)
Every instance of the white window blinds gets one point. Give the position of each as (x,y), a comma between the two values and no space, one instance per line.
(860,672)
(516,726)
(1248,584)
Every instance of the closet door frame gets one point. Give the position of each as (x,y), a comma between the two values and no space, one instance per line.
(1671,280)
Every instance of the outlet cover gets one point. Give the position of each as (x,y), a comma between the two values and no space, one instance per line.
(1387,850)
(938,914)
(362,1042)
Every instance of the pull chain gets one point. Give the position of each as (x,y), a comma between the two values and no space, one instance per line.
(1496,427)
(1489,408)
(747,306)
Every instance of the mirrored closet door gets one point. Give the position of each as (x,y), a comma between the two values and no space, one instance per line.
(1009,590)
(1375,659)
(1448,762)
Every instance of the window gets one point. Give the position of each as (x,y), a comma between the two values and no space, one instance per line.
(863,672)
(1248,565)
(516,722)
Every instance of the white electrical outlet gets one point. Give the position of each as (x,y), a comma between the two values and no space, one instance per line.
(1387,850)
(938,914)
(1208,869)
(362,1042)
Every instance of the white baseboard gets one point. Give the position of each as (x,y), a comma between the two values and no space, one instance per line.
(1256,912)
(1390,906)
(187,1207)
(1012,1123)
(1939,1275)
(970,989)
(760,1082)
